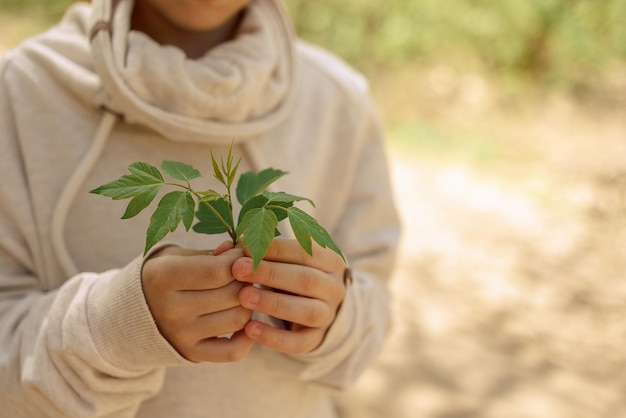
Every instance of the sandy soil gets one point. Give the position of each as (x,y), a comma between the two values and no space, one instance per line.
(510,288)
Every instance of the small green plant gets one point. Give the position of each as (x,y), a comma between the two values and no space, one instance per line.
(260,213)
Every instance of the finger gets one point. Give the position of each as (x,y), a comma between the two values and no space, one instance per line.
(224,246)
(173,310)
(191,272)
(296,309)
(201,302)
(221,350)
(187,333)
(302,341)
(220,323)
(301,280)
(290,251)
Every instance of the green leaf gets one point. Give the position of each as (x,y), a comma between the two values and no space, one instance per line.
(229,161)
(251,184)
(229,171)
(260,201)
(281,213)
(148,173)
(189,208)
(252,203)
(306,227)
(140,202)
(142,185)
(144,176)
(231,175)
(209,222)
(173,208)
(258,227)
(282,197)
(217,173)
(180,171)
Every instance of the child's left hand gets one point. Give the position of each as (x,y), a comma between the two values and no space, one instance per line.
(309,291)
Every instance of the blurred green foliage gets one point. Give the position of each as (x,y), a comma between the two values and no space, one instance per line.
(50,9)
(565,41)
(571,41)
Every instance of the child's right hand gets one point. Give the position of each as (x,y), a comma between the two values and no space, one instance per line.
(193,298)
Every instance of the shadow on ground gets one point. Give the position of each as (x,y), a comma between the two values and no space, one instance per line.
(509,293)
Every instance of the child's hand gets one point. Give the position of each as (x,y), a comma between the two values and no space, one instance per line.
(193,298)
(309,292)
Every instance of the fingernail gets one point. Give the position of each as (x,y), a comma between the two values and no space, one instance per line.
(254,297)
(245,268)
(255,332)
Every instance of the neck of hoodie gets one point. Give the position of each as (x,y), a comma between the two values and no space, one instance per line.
(240,88)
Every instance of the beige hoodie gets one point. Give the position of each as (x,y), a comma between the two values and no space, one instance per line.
(85,99)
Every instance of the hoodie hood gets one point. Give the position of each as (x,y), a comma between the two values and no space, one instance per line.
(239,89)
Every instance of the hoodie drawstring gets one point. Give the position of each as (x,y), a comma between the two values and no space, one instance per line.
(69,192)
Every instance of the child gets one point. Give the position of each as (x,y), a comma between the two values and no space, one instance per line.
(88,326)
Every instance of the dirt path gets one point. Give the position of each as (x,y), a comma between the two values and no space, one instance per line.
(510,290)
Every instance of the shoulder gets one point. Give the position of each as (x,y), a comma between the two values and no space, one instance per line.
(58,57)
(326,73)
(12,68)
(67,37)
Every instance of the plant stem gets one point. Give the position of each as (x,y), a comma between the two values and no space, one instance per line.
(276,207)
(229,227)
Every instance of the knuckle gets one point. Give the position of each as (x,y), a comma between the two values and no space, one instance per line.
(277,306)
(239,317)
(218,275)
(275,249)
(270,273)
(308,281)
(328,319)
(316,317)
(235,354)
(300,346)
(325,315)
(276,340)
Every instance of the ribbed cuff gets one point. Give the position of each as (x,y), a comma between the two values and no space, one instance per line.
(340,332)
(123,329)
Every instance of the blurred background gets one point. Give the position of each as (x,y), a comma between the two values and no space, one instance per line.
(506,125)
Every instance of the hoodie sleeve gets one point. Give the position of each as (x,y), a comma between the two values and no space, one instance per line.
(87,348)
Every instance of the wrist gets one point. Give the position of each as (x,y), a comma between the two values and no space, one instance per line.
(123,328)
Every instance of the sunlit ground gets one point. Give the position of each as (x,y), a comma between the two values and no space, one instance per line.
(510,288)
